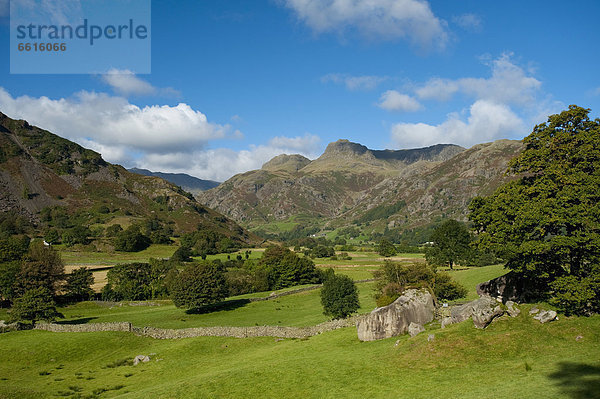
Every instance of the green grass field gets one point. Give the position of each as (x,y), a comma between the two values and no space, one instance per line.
(512,358)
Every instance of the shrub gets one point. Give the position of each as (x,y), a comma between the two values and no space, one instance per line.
(131,240)
(199,284)
(447,289)
(386,248)
(339,296)
(35,304)
(79,284)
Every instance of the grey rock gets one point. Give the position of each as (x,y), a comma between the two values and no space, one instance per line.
(446,321)
(430,337)
(545,316)
(533,310)
(140,359)
(482,311)
(512,309)
(414,306)
(415,329)
(578,338)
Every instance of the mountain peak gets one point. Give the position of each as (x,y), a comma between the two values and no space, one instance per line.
(288,163)
(346,147)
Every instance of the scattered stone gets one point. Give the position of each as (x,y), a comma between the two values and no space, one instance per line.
(140,359)
(534,310)
(415,329)
(397,343)
(545,316)
(430,337)
(392,320)
(446,321)
(278,339)
(578,338)
(512,309)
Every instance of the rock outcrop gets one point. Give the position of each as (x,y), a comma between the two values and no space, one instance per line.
(545,316)
(414,306)
(509,287)
(482,311)
(415,329)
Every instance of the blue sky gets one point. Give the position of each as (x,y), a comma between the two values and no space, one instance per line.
(235,83)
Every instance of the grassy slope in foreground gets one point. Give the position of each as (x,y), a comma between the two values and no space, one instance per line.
(461,362)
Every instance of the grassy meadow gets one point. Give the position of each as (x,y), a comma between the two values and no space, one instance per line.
(512,358)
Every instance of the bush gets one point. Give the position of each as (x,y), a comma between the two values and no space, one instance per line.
(395,278)
(182,254)
(339,296)
(199,284)
(386,248)
(131,240)
(447,289)
(321,251)
(35,304)
(79,284)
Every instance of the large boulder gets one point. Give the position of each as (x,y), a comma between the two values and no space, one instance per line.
(510,287)
(414,306)
(482,311)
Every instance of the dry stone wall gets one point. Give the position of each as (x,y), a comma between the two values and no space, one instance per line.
(236,332)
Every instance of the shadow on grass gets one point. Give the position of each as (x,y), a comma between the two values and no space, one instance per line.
(83,320)
(225,305)
(578,380)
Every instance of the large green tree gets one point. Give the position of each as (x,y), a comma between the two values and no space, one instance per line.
(546,223)
(198,285)
(339,296)
(451,244)
(79,284)
(35,304)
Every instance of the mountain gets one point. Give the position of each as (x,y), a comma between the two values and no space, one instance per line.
(376,189)
(188,183)
(41,171)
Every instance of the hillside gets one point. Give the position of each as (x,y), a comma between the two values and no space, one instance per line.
(39,171)
(349,183)
(189,183)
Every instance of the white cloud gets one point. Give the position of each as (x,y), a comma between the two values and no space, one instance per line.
(125,82)
(221,163)
(160,138)
(391,100)
(487,121)
(383,19)
(509,84)
(468,21)
(113,121)
(365,82)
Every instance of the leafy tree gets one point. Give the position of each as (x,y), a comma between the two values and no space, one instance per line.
(8,277)
(451,244)
(41,267)
(284,268)
(386,248)
(76,235)
(52,236)
(35,304)
(546,223)
(339,296)
(131,240)
(13,247)
(199,284)
(322,251)
(394,278)
(182,254)
(130,282)
(79,284)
